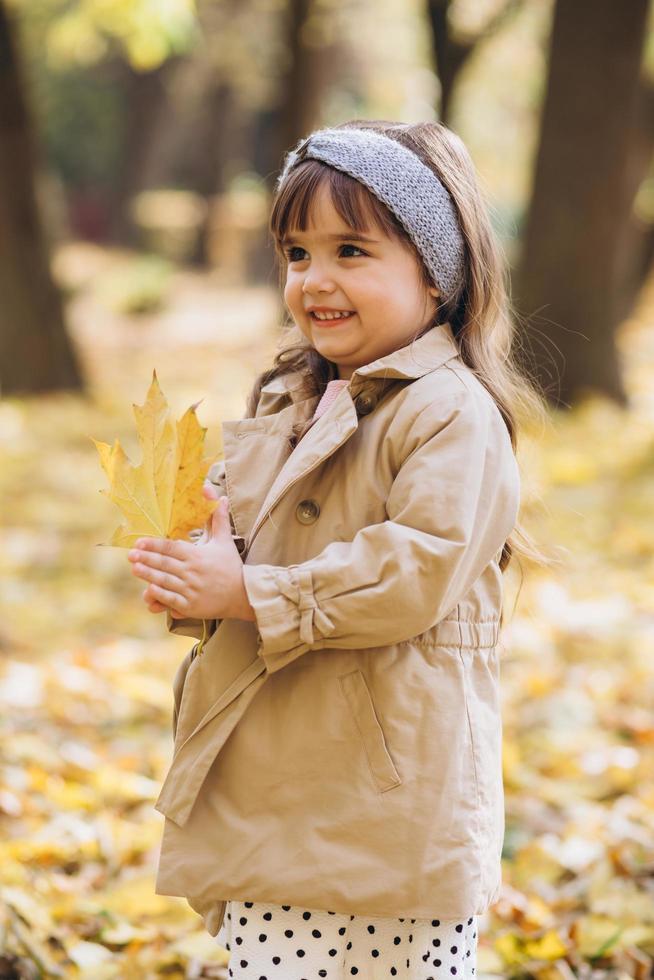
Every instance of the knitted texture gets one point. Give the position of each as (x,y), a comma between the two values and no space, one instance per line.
(409,188)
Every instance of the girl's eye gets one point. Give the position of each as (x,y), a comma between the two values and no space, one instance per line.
(292,257)
(290,253)
(356,249)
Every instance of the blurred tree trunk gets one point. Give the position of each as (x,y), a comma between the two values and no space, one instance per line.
(637,251)
(193,140)
(313,64)
(198,147)
(302,83)
(296,114)
(314,60)
(146,95)
(452,53)
(191,149)
(35,352)
(582,195)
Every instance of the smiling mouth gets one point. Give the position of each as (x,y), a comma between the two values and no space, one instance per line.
(332,321)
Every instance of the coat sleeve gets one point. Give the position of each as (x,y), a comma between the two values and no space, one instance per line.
(452,505)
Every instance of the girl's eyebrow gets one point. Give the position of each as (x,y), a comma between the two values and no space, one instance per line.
(351,237)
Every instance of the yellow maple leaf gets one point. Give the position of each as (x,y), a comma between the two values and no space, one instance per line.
(162,496)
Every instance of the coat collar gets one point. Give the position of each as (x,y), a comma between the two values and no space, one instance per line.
(263,441)
(425,354)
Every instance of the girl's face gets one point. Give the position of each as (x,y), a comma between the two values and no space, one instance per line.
(375,279)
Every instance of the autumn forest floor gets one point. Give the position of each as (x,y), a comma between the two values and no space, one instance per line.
(85,670)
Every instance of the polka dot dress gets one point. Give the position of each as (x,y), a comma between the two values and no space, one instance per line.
(281,942)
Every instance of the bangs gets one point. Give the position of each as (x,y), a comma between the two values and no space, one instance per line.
(353,202)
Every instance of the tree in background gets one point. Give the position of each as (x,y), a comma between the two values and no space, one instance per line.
(35,352)
(260,80)
(203,95)
(100,74)
(452,51)
(571,268)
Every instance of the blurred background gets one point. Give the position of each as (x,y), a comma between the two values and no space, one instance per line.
(139,145)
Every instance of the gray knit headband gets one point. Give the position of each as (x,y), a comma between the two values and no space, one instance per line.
(403,183)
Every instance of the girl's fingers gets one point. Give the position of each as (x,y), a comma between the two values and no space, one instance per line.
(165,562)
(155,607)
(163,579)
(164,546)
(166,598)
(152,604)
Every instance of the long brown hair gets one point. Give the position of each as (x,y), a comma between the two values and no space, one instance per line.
(478,311)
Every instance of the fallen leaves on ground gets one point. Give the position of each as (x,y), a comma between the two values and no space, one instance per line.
(86,703)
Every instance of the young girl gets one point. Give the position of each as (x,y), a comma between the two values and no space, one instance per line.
(334,807)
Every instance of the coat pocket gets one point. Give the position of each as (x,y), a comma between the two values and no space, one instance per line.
(357,695)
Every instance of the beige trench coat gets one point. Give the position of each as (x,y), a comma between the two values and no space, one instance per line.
(344,751)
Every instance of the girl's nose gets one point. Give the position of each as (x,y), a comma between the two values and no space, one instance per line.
(317,281)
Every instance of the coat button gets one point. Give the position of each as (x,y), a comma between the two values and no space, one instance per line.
(307,511)
(364,403)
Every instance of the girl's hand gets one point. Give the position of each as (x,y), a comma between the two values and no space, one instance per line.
(209,490)
(194,581)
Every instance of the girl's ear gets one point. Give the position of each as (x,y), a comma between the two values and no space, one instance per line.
(434,292)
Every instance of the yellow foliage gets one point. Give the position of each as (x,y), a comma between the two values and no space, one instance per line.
(86,701)
(548,947)
(134,898)
(509,946)
(162,496)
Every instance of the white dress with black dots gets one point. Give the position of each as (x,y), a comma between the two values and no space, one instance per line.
(283,942)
